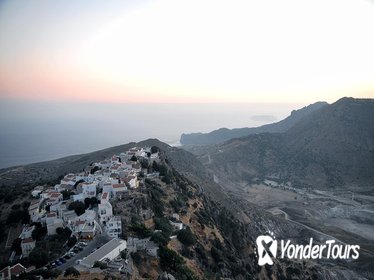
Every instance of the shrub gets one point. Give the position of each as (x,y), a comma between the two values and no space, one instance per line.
(16,245)
(66,194)
(164,225)
(166,179)
(90,201)
(124,254)
(169,259)
(71,271)
(16,206)
(160,238)
(38,233)
(141,230)
(16,216)
(78,207)
(136,258)
(38,257)
(216,254)
(186,237)
(50,274)
(101,265)
(71,241)
(93,170)
(187,252)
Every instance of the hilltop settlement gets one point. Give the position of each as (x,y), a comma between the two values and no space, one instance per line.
(91,221)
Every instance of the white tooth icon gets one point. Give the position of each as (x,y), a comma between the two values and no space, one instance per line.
(266,249)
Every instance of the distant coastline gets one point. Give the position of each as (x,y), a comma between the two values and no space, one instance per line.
(55,130)
(17,161)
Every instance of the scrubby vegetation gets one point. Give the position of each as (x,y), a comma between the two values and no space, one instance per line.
(186,237)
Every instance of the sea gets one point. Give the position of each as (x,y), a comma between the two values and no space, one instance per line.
(35,131)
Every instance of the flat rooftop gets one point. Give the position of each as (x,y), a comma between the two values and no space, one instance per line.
(100,253)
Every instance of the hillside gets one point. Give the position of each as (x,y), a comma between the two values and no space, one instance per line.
(224,227)
(329,148)
(224,134)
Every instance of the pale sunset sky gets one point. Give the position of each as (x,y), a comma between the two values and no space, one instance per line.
(186,51)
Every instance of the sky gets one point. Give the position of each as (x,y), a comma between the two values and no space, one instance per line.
(186,51)
(82,75)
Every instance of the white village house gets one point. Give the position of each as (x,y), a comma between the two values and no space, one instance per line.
(114,227)
(27,245)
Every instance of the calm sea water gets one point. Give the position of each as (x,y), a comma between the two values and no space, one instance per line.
(38,131)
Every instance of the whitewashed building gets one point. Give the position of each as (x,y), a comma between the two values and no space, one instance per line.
(118,188)
(34,210)
(52,225)
(27,245)
(109,251)
(89,190)
(114,227)
(105,211)
(26,232)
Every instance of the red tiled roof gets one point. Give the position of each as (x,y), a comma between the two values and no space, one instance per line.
(118,186)
(105,195)
(50,215)
(128,179)
(17,269)
(6,271)
(54,195)
(28,240)
(33,202)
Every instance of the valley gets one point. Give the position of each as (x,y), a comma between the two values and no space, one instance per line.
(346,216)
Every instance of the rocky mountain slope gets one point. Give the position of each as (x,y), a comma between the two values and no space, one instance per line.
(223,231)
(329,148)
(224,134)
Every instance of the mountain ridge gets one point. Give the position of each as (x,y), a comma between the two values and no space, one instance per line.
(224,134)
(333,146)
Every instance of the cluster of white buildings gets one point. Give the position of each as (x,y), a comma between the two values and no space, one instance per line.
(106,180)
(102,182)
(27,243)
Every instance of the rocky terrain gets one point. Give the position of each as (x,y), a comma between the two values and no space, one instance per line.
(225,228)
(332,147)
(224,134)
(317,175)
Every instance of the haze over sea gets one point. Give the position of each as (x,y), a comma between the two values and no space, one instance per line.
(34,131)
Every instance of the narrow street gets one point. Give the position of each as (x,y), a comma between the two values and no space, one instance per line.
(99,241)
